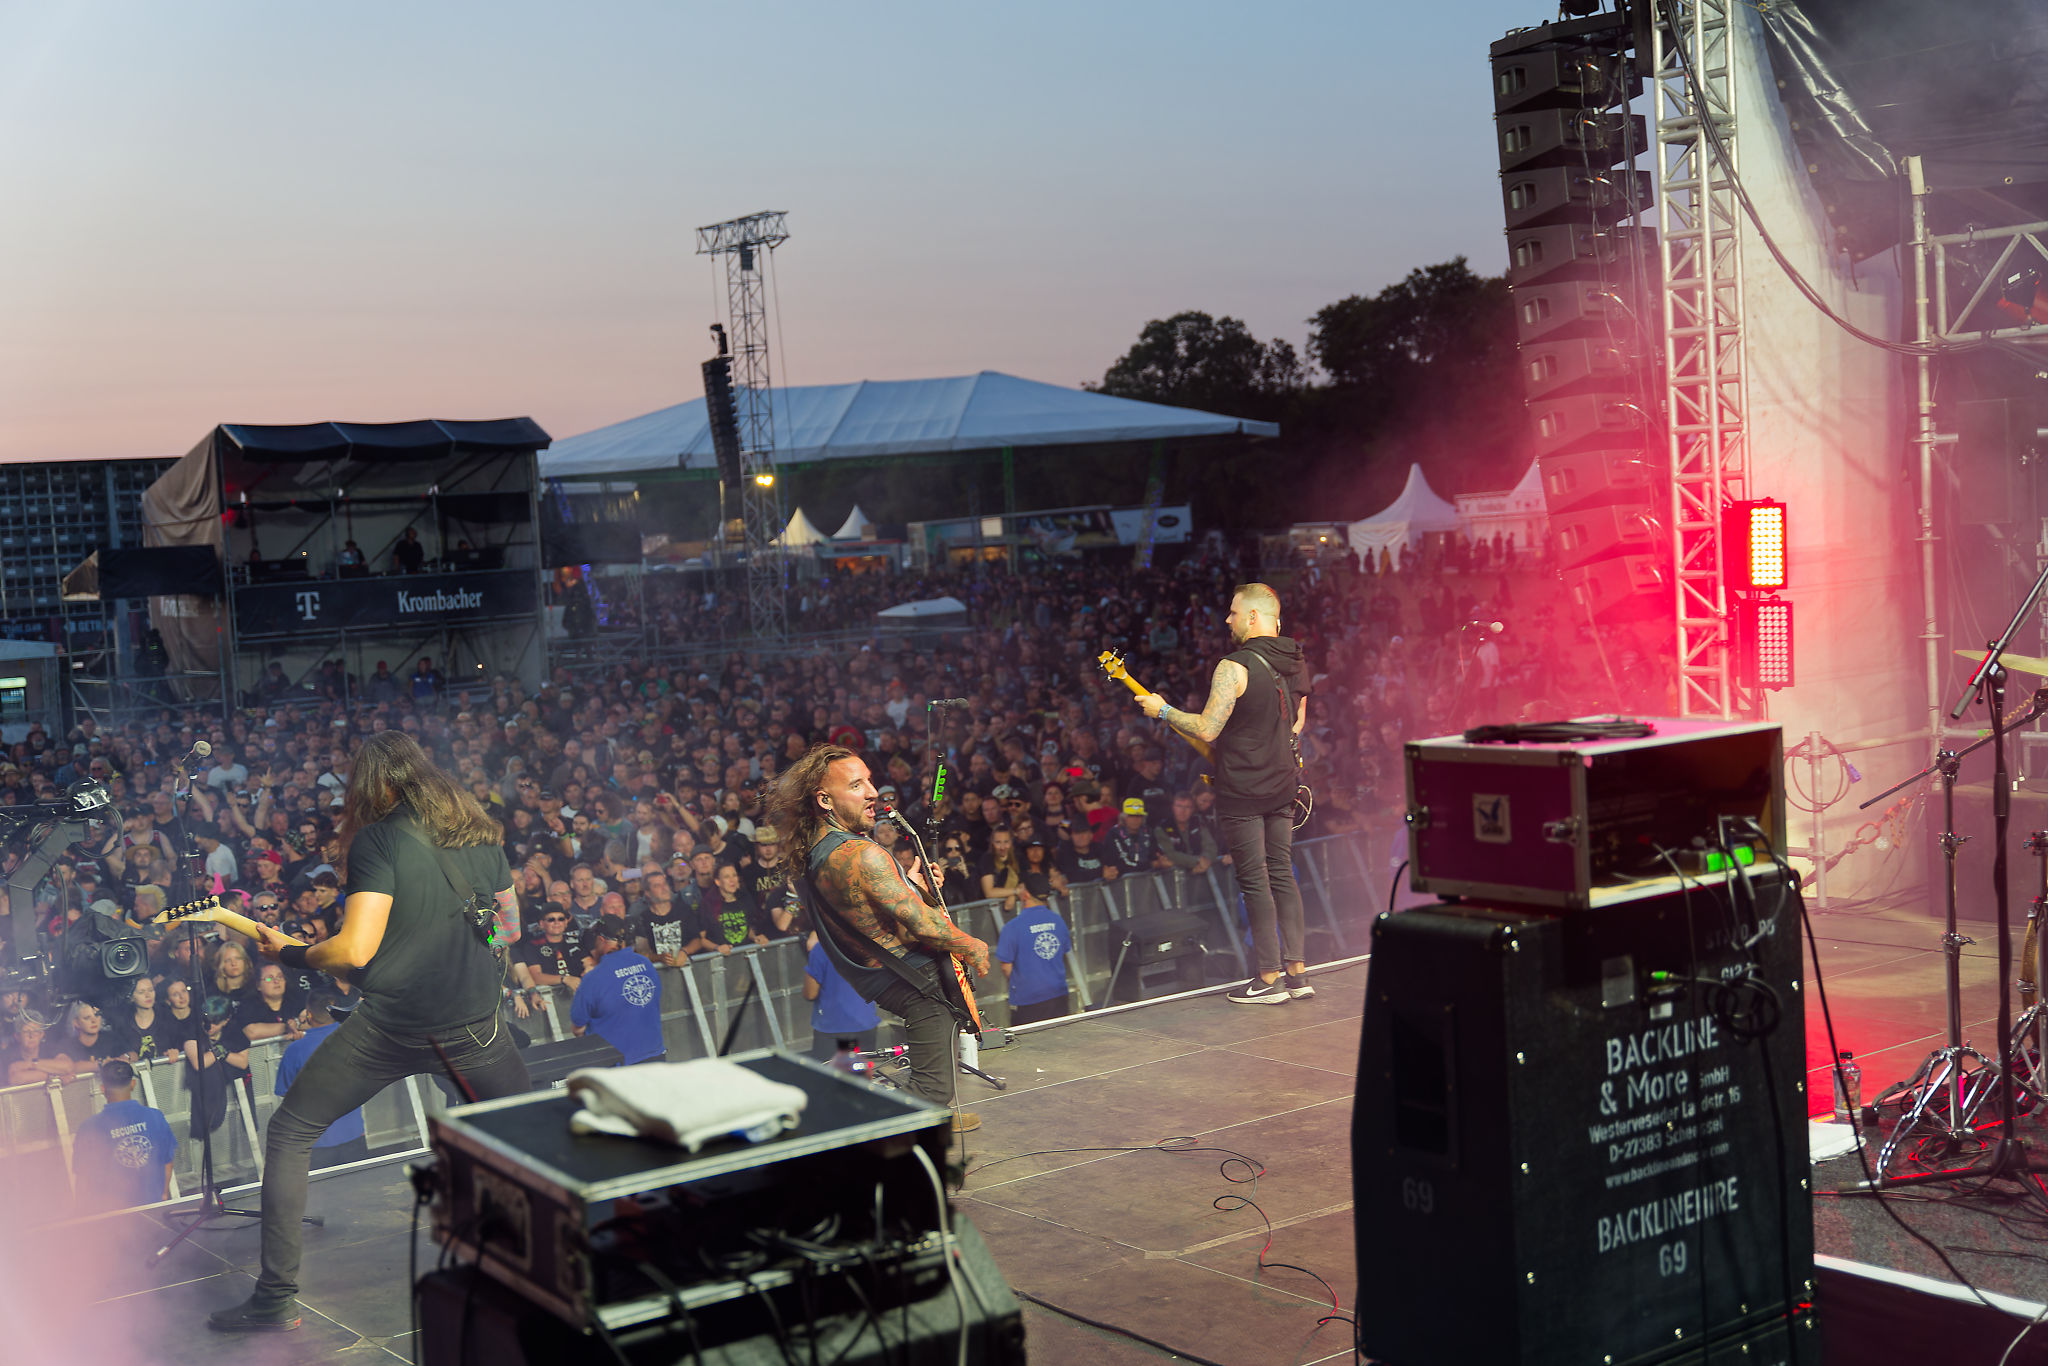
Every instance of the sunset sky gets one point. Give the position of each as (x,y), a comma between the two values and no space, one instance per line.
(283,212)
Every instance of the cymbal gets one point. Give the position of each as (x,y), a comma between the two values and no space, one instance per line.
(2019,664)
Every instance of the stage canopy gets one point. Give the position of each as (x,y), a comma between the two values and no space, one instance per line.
(873,418)
(1406,520)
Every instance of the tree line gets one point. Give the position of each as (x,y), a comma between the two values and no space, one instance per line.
(1424,370)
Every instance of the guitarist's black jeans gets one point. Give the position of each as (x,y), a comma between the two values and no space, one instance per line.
(929,1031)
(1262,850)
(353,1064)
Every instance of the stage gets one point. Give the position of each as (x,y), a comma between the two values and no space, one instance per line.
(1135,1239)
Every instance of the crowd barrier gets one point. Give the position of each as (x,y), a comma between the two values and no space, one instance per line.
(700,1004)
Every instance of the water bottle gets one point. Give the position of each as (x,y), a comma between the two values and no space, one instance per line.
(847,1058)
(1848,1087)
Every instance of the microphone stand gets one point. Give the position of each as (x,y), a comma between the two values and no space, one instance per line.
(211,1205)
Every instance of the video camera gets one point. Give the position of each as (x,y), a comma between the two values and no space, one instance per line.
(51,828)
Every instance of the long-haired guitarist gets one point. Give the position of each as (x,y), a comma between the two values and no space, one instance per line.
(1258,703)
(413,937)
(865,908)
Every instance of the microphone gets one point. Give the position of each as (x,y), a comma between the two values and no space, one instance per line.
(200,749)
(951,702)
(890,813)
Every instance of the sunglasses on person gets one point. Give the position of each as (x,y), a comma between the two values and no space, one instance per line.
(554,920)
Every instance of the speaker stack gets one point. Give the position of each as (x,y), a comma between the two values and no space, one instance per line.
(1580,1134)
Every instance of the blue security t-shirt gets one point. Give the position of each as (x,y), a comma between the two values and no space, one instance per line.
(120,1154)
(839,1009)
(350,1125)
(620,998)
(1035,944)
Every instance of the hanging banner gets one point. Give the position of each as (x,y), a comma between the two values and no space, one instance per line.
(403,601)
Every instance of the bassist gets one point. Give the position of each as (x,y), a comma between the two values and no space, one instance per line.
(1258,703)
(863,907)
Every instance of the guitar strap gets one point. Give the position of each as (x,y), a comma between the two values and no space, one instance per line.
(1305,806)
(1286,715)
(824,913)
(472,907)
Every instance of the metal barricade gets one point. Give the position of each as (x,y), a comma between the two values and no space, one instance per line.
(700,1004)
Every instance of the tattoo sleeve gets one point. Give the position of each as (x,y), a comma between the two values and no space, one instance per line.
(1224,688)
(507,931)
(876,877)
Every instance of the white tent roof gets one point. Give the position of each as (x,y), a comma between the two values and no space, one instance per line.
(1404,521)
(858,526)
(892,417)
(799,532)
(924,607)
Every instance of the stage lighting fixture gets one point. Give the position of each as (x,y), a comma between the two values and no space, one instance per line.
(1753,540)
(1764,634)
(2021,295)
(765,479)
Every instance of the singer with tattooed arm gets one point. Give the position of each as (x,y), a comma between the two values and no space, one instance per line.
(886,941)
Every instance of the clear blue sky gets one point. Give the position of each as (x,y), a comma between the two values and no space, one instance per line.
(375,211)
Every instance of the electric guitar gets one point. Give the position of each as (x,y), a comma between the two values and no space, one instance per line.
(1113,664)
(958,989)
(210,909)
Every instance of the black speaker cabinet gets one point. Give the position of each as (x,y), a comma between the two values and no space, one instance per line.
(1157,953)
(1561,1158)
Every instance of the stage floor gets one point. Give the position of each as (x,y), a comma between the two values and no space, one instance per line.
(1134,1238)
(1128,1238)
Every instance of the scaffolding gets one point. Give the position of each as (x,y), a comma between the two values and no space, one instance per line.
(1705,383)
(747,246)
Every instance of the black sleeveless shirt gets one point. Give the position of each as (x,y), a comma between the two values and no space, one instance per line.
(1255,772)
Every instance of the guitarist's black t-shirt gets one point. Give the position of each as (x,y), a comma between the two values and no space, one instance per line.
(431,973)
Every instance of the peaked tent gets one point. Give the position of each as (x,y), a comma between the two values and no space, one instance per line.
(1518,514)
(800,532)
(857,527)
(872,418)
(1404,521)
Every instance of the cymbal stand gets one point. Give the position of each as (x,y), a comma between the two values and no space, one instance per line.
(1943,1096)
(2030,1031)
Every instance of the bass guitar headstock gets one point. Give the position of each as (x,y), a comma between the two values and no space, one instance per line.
(206,908)
(1113,664)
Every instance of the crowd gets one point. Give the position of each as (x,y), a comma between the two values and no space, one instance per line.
(632,797)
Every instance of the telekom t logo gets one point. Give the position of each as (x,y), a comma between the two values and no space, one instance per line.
(309,604)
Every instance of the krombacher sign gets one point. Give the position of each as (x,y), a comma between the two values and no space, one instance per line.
(401,600)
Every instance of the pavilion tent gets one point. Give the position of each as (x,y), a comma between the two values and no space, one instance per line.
(857,527)
(880,418)
(1404,522)
(799,533)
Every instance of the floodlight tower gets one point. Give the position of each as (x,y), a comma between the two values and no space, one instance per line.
(745,243)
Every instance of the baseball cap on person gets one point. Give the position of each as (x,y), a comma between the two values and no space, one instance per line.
(1134,806)
(613,927)
(105,906)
